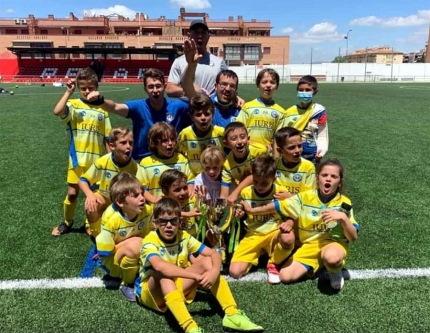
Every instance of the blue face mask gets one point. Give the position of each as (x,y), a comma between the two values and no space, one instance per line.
(305,96)
(222,104)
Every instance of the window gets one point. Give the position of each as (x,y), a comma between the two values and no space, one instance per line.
(251,53)
(100,32)
(43,31)
(214,50)
(266,50)
(232,53)
(11,31)
(24,32)
(77,32)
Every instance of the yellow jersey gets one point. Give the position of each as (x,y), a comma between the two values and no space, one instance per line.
(262,120)
(117,228)
(88,128)
(191,145)
(298,178)
(104,169)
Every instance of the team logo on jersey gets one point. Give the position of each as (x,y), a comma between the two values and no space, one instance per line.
(140,225)
(212,64)
(314,213)
(253,204)
(122,233)
(193,145)
(233,119)
(278,174)
(256,111)
(297,177)
(274,114)
(108,175)
(177,167)
(156,171)
(162,251)
(295,118)
(211,142)
(83,113)
(100,117)
(169,117)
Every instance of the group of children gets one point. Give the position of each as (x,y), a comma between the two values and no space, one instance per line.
(146,217)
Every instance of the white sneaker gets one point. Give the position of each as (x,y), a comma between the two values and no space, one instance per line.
(336,280)
(273,274)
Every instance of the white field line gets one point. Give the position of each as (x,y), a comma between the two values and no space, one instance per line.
(96,282)
(17,93)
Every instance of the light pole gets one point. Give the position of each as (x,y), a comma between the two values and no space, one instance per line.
(347,39)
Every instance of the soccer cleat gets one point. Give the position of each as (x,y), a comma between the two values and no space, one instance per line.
(195,330)
(273,274)
(128,291)
(111,282)
(61,229)
(240,323)
(336,280)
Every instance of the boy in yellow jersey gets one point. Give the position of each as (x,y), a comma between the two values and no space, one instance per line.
(124,224)
(195,138)
(88,128)
(325,223)
(173,184)
(262,233)
(102,172)
(162,143)
(236,173)
(310,118)
(168,281)
(292,171)
(262,116)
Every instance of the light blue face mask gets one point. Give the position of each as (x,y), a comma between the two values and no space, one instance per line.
(305,96)
(222,104)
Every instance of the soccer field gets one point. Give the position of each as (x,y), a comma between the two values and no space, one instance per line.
(50,284)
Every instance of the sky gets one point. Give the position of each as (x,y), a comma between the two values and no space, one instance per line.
(315,27)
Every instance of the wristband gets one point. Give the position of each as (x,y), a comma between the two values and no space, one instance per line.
(99,101)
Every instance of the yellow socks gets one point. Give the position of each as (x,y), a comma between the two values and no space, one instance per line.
(176,303)
(280,254)
(222,293)
(129,269)
(95,227)
(69,210)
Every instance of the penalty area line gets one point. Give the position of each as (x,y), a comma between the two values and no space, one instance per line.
(96,282)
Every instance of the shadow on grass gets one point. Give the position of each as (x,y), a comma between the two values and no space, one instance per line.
(201,296)
(324,282)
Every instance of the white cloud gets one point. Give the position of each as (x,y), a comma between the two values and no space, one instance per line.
(417,37)
(117,9)
(9,11)
(192,4)
(421,18)
(319,33)
(287,30)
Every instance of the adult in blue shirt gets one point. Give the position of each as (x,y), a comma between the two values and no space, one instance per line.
(146,112)
(226,84)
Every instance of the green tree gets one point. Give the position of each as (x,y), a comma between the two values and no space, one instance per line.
(340,59)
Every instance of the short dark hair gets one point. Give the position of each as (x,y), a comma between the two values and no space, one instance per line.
(283,134)
(166,205)
(157,132)
(168,177)
(309,79)
(153,73)
(228,73)
(264,166)
(233,126)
